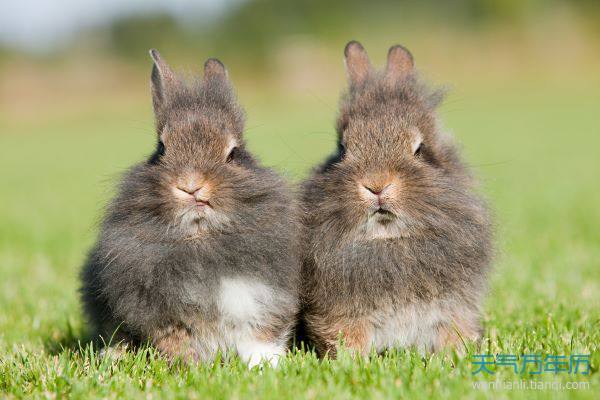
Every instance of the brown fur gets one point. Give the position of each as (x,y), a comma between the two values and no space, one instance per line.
(268,331)
(456,333)
(393,222)
(175,342)
(353,333)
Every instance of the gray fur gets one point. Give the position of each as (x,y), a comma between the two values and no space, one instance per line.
(149,278)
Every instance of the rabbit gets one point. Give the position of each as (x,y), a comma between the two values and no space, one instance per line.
(198,253)
(397,242)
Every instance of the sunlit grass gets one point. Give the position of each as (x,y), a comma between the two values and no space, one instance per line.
(535,150)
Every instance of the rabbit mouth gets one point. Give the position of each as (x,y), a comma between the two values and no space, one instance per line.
(201,204)
(198,210)
(383,223)
(384,214)
(200,218)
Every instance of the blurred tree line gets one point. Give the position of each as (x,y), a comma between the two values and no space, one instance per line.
(249,30)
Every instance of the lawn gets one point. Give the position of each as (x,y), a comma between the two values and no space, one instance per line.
(534,148)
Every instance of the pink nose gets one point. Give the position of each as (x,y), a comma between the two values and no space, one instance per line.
(201,194)
(190,188)
(377,191)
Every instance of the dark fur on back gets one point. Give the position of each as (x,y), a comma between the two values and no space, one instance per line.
(436,248)
(155,268)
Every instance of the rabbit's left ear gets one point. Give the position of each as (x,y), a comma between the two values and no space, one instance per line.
(162,80)
(357,61)
(400,64)
(214,70)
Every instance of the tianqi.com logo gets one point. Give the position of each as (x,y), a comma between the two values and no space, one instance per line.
(534,364)
(531,366)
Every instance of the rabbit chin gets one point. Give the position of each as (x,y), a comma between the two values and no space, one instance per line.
(193,222)
(383,226)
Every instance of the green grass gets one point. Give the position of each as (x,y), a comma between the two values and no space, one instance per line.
(536,151)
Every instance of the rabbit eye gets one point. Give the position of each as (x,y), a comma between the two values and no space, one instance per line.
(425,154)
(231,155)
(158,153)
(419,150)
(342,151)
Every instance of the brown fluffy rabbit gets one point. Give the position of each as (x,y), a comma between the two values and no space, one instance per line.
(198,252)
(397,240)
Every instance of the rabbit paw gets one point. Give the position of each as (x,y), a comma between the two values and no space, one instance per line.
(254,353)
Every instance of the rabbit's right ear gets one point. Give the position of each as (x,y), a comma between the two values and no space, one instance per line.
(400,64)
(358,65)
(161,81)
(214,70)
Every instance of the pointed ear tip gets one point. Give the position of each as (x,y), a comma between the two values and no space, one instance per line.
(353,46)
(154,54)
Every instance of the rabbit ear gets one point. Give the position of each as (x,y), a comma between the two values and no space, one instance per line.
(214,70)
(161,80)
(358,65)
(400,63)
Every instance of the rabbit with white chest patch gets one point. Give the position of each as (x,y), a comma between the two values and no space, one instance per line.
(397,241)
(198,252)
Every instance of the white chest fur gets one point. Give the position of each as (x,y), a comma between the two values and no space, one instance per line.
(244,301)
(244,306)
(409,326)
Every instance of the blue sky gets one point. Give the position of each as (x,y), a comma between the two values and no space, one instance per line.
(39,24)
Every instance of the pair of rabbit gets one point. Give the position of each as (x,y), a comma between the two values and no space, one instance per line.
(204,250)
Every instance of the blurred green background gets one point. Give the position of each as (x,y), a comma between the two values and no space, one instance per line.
(524,102)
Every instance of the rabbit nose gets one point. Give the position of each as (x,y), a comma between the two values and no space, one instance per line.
(202,194)
(378,191)
(190,183)
(190,187)
(375,191)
